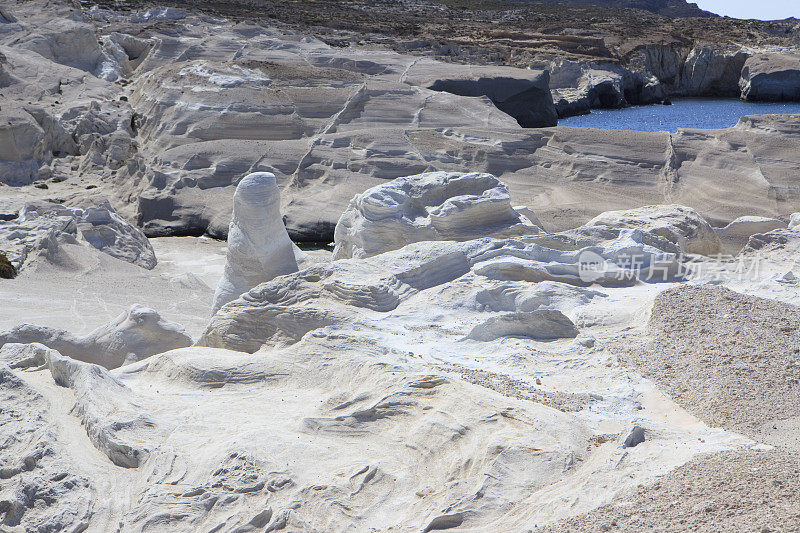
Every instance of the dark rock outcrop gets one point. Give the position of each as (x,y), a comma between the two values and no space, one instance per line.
(771,77)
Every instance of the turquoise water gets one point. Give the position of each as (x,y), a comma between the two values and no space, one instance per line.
(684,113)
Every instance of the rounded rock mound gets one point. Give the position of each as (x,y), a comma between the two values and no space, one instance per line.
(433,206)
(681,225)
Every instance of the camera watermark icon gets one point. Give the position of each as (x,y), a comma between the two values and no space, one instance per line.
(649,267)
(591,266)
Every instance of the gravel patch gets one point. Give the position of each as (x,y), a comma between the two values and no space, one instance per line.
(732,360)
(743,490)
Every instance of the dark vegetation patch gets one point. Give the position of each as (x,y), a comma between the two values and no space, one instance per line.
(7,270)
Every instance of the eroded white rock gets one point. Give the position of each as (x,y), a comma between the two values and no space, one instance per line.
(433,206)
(771,77)
(746,226)
(135,334)
(740,230)
(113,422)
(259,247)
(678,224)
(99,225)
(539,324)
(429,275)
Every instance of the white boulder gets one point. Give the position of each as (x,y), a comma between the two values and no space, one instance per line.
(678,224)
(794,221)
(135,334)
(542,324)
(259,247)
(433,206)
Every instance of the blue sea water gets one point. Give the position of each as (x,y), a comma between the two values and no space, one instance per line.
(703,113)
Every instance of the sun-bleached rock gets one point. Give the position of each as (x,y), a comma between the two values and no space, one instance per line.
(794,221)
(113,422)
(776,242)
(678,224)
(259,247)
(67,42)
(703,70)
(99,225)
(524,297)
(579,86)
(540,324)
(122,54)
(586,236)
(251,109)
(739,231)
(621,261)
(435,385)
(36,461)
(523,94)
(236,110)
(434,206)
(746,226)
(710,71)
(771,77)
(169,14)
(342,400)
(29,136)
(135,334)
(358,291)
(368,117)
(103,228)
(331,293)
(6,17)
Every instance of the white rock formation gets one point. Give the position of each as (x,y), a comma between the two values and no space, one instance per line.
(776,243)
(739,231)
(522,94)
(678,224)
(579,86)
(586,236)
(540,324)
(435,206)
(710,71)
(174,162)
(115,424)
(475,385)
(794,221)
(360,291)
(746,226)
(99,225)
(36,460)
(259,248)
(386,363)
(28,139)
(704,70)
(135,334)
